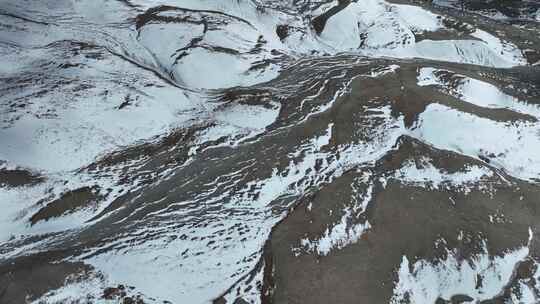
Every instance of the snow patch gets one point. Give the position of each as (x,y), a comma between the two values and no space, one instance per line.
(426,174)
(337,237)
(425,282)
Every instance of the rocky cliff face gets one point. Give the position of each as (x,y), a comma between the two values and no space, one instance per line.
(197,151)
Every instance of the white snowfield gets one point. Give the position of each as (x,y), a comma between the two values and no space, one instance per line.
(511,146)
(85,81)
(79,127)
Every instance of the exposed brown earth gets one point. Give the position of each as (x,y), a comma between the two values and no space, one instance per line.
(406,220)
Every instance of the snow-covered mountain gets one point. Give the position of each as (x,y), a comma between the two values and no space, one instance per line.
(253,151)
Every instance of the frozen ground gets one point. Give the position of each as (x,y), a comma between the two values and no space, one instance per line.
(197,151)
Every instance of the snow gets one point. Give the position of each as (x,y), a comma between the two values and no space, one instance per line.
(73,290)
(202,280)
(89,124)
(506,50)
(360,199)
(198,70)
(418,19)
(477,92)
(436,178)
(89,284)
(510,146)
(389,31)
(346,232)
(384,71)
(425,282)
(61,131)
(239,122)
(217,55)
(341,31)
(21,203)
(336,237)
(89,127)
(77,126)
(14,202)
(249,289)
(161,261)
(372,27)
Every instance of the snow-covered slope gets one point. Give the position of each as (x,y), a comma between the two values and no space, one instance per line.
(150,148)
